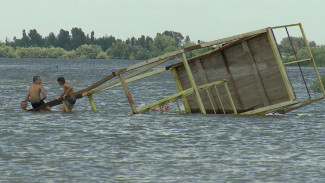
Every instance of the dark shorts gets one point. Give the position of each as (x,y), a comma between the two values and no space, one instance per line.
(37,103)
(72,101)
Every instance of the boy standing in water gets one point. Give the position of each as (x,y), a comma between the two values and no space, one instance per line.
(34,94)
(68,90)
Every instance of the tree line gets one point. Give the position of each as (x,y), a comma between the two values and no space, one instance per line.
(78,44)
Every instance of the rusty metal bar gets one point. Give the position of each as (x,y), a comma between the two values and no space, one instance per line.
(277,46)
(312,59)
(295,53)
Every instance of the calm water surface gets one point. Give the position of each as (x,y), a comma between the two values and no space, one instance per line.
(112,146)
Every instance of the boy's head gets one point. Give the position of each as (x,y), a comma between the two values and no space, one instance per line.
(23,105)
(37,80)
(165,107)
(61,80)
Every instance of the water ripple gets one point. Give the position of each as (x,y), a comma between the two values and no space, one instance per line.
(112,146)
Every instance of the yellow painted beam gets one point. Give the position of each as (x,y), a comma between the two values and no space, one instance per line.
(290,108)
(193,84)
(312,60)
(265,110)
(180,88)
(281,66)
(132,79)
(128,94)
(181,94)
(65,106)
(282,26)
(92,102)
(299,61)
(219,98)
(230,98)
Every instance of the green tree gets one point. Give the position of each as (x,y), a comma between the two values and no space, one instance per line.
(163,42)
(118,50)
(139,53)
(297,42)
(35,38)
(149,41)
(133,41)
(105,42)
(176,35)
(169,49)
(25,40)
(88,51)
(78,38)
(142,41)
(51,40)
(187,39)
(64,40)
(7,51)
(92,37)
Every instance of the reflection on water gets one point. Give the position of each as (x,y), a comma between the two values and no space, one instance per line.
(112,146)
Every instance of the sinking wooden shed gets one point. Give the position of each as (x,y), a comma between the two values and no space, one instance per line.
(241,74)
(254,71)
(254,74)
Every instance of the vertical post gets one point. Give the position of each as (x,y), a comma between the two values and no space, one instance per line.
(214,109)
(295,53)
(179,109)
(92,102)
(282,69)
(180,88)
(230,98)
(223,109)
(192,81)
(65,106)
(127,93)
(312,59)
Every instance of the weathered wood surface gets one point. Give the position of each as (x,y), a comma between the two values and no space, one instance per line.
(256,74)
(252,74)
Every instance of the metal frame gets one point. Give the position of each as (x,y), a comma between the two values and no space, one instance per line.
(310,59)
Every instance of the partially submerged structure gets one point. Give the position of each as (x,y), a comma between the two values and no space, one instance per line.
(242,74)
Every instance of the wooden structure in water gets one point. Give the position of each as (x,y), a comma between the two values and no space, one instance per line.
(242,74)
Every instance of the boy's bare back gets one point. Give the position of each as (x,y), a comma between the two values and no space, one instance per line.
(34,92)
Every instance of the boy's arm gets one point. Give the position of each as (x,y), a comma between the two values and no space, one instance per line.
(44,93)
(27,95)
(68,90)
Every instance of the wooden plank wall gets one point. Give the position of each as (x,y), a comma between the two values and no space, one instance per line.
(251,72)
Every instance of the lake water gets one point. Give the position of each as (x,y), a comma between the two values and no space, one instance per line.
(112,146)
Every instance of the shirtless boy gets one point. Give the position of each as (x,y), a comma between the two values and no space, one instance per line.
(68,90)
(34,94)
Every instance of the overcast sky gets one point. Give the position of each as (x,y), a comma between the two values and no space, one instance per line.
(200,19)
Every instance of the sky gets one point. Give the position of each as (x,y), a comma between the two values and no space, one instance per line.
(205,20)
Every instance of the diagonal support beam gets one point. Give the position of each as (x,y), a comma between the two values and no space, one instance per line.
(127,93)
(193,84)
